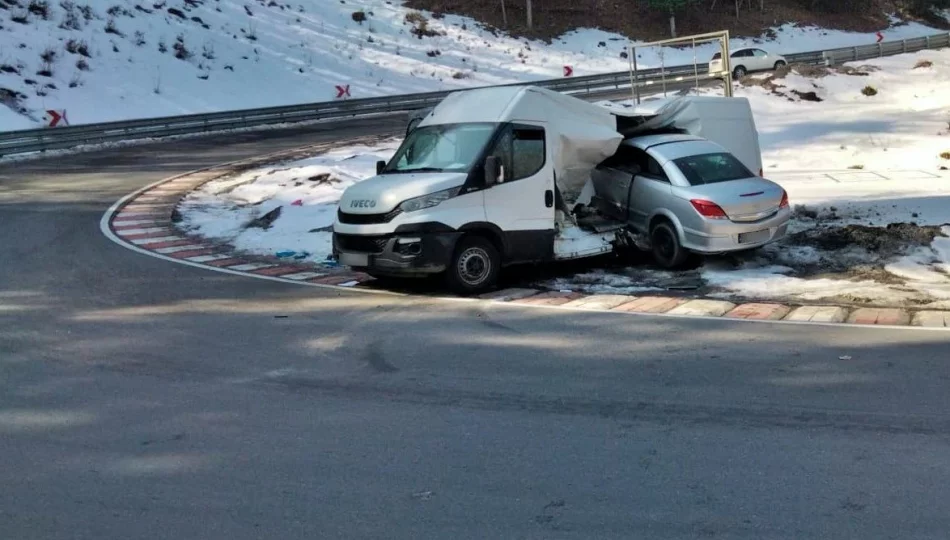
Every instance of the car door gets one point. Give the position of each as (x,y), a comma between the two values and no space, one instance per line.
(522,205)
(651,191)
(760,60)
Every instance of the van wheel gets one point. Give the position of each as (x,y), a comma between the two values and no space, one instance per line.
(667,250)
(474,267)
(739,72)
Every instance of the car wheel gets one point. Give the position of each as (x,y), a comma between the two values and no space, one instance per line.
(739,72)
(667,250)
(474,267)
(780,64)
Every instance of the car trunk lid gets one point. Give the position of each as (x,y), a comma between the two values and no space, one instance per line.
(746,200)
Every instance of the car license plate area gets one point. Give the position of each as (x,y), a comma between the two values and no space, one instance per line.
(354,259)
(755,236)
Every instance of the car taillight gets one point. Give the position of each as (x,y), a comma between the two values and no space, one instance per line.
(784,203)
(708,209)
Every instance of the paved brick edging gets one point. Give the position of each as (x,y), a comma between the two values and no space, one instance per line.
(145,221)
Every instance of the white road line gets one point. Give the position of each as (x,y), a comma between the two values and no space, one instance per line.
(300,276)
(142,241)
(176,249)
(207,258)
(123,223)
(250,266)
(147,230)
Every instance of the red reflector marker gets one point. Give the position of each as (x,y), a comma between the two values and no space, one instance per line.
(708,209)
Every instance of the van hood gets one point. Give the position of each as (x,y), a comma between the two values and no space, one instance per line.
(380,194)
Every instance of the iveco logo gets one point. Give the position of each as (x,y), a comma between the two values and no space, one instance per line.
(364,203)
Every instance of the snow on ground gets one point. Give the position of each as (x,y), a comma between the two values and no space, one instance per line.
(104,60)
(305,192)
(839,247)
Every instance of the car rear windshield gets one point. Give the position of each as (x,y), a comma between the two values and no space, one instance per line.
(712,168)
(717,56)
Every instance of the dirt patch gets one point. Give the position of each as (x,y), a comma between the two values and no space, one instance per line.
(894,239)
(923,64)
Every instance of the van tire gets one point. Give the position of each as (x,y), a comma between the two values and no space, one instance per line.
(474,266)
(667,250)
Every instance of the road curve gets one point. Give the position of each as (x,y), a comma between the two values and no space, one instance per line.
(141,398)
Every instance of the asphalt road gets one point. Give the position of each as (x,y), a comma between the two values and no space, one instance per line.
(144,399)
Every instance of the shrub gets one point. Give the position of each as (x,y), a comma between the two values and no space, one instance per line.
(87,12)
(923,64)
(76,46)
(71,21)
(162,48)
(945,155)
(359,16)
(415,18)
(869,91)
(112,29)
(139,38)
(40,8)
(48,55)
(22,17)
(181,50)
(856,167)
(82,65)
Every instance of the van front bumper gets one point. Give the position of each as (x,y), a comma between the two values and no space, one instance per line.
(396,254)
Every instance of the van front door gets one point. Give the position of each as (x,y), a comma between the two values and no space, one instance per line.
(522,204)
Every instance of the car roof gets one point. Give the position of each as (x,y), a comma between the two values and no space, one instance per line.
(644,142)
(674,146)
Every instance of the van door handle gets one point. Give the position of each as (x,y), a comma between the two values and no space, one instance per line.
(549,198)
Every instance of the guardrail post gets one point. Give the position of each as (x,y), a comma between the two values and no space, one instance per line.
(854,54)
(880,50)
(927,38)
(904,45)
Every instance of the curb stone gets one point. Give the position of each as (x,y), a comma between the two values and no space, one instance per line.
(144,222)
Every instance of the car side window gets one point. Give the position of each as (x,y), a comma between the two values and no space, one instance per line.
(760,53)
(650,167)
(742,54)
(522,152)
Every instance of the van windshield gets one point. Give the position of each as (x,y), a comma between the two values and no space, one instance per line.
(441,148)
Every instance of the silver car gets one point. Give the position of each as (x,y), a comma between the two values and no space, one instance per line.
(689,194)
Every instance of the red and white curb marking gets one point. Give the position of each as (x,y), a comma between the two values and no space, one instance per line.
(142,222)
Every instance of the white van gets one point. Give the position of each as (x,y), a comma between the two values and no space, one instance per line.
(491,177)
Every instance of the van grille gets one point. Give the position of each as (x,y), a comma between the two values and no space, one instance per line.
(360,243)
(367,219)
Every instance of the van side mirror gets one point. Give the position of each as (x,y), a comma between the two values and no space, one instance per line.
(493,171)
(380,165)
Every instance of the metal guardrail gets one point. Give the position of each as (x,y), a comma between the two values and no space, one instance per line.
(590,86)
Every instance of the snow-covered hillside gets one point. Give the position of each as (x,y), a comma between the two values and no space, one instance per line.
(104,60)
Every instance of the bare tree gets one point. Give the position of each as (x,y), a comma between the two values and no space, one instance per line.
(530,20)
(504,14)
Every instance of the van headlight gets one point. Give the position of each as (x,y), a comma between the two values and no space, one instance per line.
(428,201)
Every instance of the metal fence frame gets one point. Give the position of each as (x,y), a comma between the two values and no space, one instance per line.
(589,87)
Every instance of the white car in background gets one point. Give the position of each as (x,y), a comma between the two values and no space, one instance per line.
(745,61)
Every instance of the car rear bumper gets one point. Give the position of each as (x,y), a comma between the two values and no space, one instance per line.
(396,254)
(729,236)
